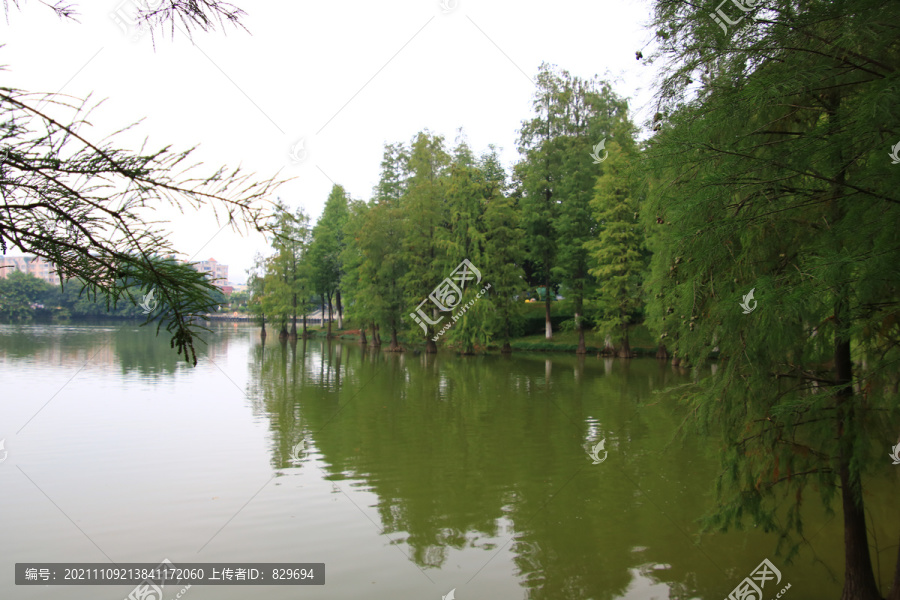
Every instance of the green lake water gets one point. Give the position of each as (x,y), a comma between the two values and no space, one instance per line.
(414,475)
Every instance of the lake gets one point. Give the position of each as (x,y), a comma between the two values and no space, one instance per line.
(408,475)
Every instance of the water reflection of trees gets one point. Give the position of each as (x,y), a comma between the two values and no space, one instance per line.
(125,346)
(139,349)
(455,447)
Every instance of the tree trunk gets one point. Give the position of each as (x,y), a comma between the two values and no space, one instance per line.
(894,594)
(362,336)
(262,332)
(608,348)
(283,334)
(506,349)
(625,350)
(395,344)
(340,310)
(676,360)
(548,325)
(330,313)
(305,332)
(661,352)
(294,319)
(859,578)
(582,349)
(376,340)
(548,197)
(430,344)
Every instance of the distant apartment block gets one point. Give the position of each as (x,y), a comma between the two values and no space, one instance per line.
(33,265)
(44,270)
(218,272)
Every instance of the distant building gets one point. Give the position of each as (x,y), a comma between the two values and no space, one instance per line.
(216,271)
(33,265)
(45,271)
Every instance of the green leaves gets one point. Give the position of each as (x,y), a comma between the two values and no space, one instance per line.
(18,292)
(557,177)
(772,178)
(616,253)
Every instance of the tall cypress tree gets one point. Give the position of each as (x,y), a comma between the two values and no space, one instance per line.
(617,257)
(775,179)
(503,251)
(424,208)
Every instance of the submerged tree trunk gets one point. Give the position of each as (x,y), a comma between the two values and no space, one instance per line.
(376,341)
(625,350)
(608,348)
(894,593)
(395,344)
(859,578)
(362,336)
(262,332)
(582,349)
(305,332)
(430,344)
(294,319)
(661,352)
(430,333)
(506,349)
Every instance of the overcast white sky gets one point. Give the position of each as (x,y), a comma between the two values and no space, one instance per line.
(345,76)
